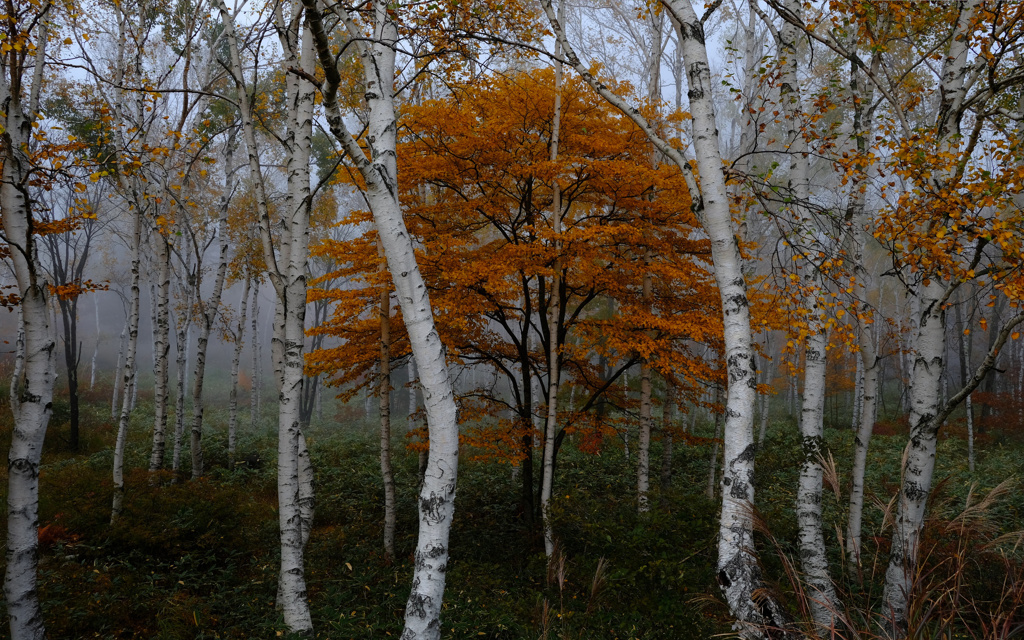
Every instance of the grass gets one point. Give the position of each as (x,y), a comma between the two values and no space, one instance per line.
(198,559)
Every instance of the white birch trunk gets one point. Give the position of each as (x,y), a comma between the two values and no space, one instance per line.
(965,366)
(868,363)
(134,384)
(31,390)
(386,472)
(119,369)
(287,268)
(764,401)
(811,539)
(96,342)
(437,493)
(161,347)
(411,418)
(235,366)
(856,405)
(928,365)
(208,310)
(129,369)
(737,569)
(130,377)
(643,450)
(254,380)
(182,338)
(554,313)
(713,464)
(643,467)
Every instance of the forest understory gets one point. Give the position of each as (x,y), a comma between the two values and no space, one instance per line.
(196,559)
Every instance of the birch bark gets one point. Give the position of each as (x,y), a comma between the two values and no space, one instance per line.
(235,366)
(386,472)
(287,266)
(437,493)
(162,345)
(813,558)
(31,390)
(208,314)
(868,362)
(929,351)
(129,190)
(737,570)
(643,455)
(256,379)
(129,370)
(554,313)
(122,338)
(182,337)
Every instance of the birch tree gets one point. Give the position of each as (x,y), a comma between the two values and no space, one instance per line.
(379,171)
(555,311)
(31,390)
(737,569)
(808,237)
(286,264)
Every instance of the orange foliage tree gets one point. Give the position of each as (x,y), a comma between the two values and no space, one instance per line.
(477,188)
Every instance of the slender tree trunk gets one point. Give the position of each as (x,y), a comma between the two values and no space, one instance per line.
(384,389)
(287,265)
(410,424)
(763,431)
(643,467)
(868,363)
(553,321)
(737,569)
(134,385)
(31,390)
(129,369)
(96,343)
(235,362)
(437,494)
(255,379)
(856,404)
(130,377)
(122,340)
(182,339)
(209,310)
(162,347)
(713,466)
(929,355)
(811,539)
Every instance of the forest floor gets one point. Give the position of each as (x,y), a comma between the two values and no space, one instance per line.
(198,559)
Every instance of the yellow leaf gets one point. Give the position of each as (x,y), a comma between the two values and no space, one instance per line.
(67,40)
(1015,335)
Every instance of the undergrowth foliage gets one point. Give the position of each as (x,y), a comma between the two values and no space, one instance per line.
(198,559)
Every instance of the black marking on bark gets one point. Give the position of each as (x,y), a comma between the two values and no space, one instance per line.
(435,551)
(915,492)
(740,491)
(418,604)
(431,507)
(692,31)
